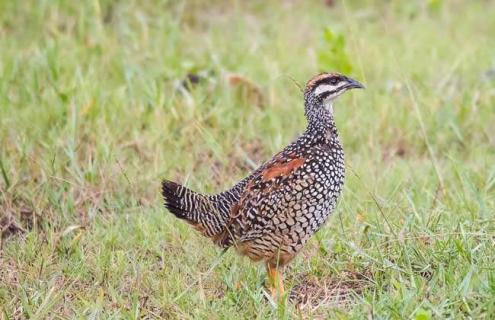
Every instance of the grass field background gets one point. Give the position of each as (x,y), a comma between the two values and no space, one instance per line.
(93,116)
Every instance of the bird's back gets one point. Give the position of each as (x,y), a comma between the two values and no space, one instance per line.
(287,199)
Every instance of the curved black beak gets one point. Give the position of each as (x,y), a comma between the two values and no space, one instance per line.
(354,84)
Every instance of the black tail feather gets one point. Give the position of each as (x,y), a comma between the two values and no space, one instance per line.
(197,209)
(171,192)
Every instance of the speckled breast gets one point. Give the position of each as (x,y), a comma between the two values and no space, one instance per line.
(318,200)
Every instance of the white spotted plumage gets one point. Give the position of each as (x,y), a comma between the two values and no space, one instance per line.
(271,214)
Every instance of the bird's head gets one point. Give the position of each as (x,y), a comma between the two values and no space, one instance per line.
(324,88)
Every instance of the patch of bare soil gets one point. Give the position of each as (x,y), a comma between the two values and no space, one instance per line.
(15,217)
(8,225)
(396,149)
(247,89)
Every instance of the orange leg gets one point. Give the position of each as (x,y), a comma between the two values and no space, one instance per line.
(275,281)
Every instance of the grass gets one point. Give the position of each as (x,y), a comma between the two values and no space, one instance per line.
(91,120)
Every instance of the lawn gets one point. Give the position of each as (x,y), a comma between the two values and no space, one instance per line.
(96,109)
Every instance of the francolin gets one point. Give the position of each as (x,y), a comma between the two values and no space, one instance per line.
(270,215)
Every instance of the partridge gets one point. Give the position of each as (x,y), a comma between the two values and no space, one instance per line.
(270,215)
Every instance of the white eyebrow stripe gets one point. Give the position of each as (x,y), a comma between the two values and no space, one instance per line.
(323,88)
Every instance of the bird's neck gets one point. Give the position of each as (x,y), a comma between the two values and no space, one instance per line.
(321,126)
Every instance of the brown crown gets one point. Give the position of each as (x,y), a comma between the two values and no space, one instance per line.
(320,78)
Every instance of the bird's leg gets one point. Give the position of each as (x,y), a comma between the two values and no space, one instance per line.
(275,281)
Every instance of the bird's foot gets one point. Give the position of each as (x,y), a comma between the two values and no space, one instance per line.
(275,283)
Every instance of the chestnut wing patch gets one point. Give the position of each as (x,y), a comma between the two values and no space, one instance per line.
(261,185)
(282,169)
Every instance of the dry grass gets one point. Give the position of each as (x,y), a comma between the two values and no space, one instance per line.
(342,291)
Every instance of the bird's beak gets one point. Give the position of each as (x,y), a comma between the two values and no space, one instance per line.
(354,84)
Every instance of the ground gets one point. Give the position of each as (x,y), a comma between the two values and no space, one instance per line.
(100,100)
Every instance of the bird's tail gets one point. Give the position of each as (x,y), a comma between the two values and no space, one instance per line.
(197,209)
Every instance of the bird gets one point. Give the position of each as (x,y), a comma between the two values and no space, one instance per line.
(269,215)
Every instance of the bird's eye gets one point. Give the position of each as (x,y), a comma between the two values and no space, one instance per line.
(334,81)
